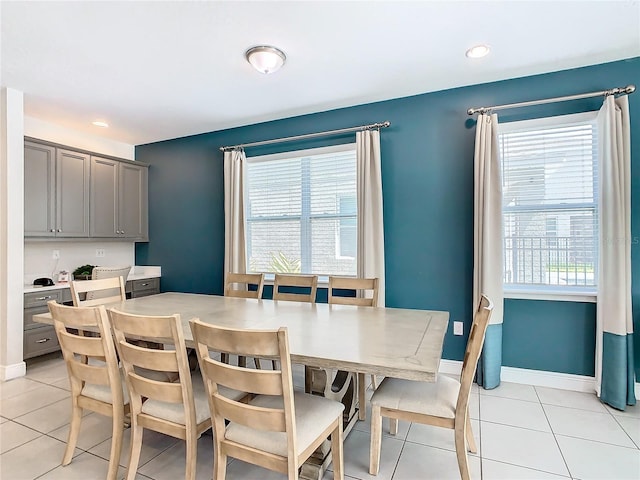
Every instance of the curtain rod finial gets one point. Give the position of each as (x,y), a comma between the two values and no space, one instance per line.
(630,88)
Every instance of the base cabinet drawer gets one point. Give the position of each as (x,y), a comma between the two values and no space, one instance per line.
(40,299)
(145,287)
(39,341)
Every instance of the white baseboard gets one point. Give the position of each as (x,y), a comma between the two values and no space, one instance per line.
(540,378)
(8,372)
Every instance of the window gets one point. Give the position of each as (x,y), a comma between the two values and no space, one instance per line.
(301,213)
(550,204)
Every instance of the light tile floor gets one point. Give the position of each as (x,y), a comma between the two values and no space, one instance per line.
(523,432)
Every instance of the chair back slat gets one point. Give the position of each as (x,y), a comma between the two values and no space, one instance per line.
(94,374)
(79,345)
(157,390)
(97,292)
(160,327)
(309,282)
(150,359)
(244,280)
(261,418)
(259,382)
(366,291)
(250,342)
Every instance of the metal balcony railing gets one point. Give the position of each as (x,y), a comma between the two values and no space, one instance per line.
(550,260)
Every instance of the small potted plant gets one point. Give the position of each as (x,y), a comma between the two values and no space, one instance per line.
(83,272)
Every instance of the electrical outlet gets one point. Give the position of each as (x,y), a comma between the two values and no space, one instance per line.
(56,254)
(100,252)
(458,328)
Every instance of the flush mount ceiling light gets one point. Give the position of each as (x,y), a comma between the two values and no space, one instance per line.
(478,51)
(265,59)
(100,123)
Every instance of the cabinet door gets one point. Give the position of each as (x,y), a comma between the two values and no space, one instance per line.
(132,206)
(104,197)
(39,190)
(72,194)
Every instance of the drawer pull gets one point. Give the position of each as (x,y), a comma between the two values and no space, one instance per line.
(43,340)
(48,297)
(144,284)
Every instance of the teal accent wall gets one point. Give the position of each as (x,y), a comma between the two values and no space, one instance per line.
(427,176)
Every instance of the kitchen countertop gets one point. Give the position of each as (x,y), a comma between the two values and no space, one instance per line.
(138,272)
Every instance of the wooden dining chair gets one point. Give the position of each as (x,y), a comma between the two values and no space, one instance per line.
(94,376)
(365,295)
(177,408)
(296,282)
(277,428)
(444,403)
(239,285)
(87,293)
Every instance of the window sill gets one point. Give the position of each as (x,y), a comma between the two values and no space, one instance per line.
(589,296)
(323,280)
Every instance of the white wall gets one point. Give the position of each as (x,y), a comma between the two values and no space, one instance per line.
(42,130)
(12,228)
(39,262)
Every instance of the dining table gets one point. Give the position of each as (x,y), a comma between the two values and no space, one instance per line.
(392,342)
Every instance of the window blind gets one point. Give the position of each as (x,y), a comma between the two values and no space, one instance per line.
(550,201)
(301,212)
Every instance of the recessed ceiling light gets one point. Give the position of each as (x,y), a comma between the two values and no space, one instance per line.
(478,51)
(100,123)
(265,59)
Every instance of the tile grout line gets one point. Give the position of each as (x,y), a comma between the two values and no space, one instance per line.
(615,418)
(555,438)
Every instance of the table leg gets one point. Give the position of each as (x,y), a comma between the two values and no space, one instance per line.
(338,385)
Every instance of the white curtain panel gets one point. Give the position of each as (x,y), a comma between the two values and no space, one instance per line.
(614,322)
(370,221)
(488,243)
(234,244)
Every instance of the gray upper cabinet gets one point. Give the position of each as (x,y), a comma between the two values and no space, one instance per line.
(69,193)
(72,194)
(119,199)
(39,190)
(56,192)
(133,196)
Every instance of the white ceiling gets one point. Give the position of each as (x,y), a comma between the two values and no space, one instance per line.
(160,70)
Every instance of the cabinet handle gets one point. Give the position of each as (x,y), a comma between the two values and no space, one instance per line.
(122,232)
(144,284)
(43,340)
(59,230)
(48,297)
(52,230)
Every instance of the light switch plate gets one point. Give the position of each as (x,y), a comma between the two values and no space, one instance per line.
(458,328)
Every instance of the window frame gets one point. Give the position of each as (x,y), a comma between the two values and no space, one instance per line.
(552,292)
(293,154)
